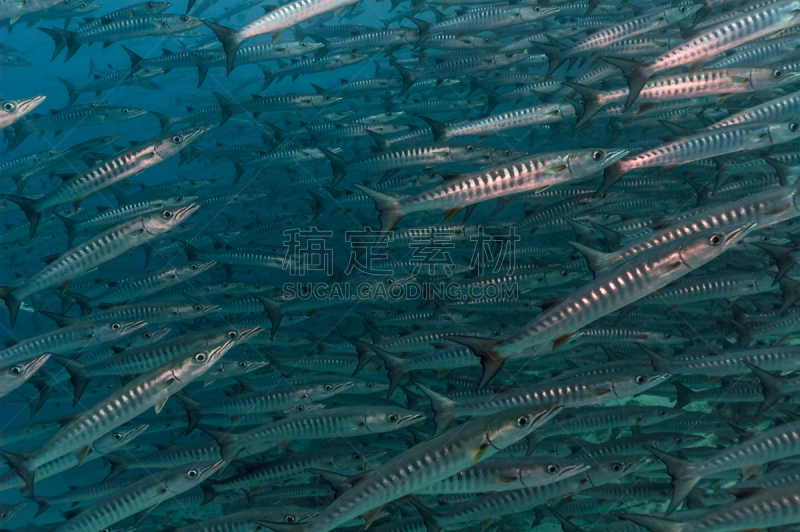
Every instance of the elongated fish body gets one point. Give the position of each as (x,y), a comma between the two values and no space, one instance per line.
(765,209)
(519,176)
(69,339)
(758,21)
(151,389)
(616,289)
(96,251)
(428,463)
(705,145)
(140,495)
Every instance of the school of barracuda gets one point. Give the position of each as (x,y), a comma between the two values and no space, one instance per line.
(410,266)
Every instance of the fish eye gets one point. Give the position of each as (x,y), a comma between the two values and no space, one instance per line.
(148,335)
(678,440)
(151,5)
(16,370)
(193,182)
(303,44)
(232,335)
(357,456)
(115,326)
(167,214)
(200,357)
(522,421)
(486,39)
(354,55)
(509,55)
(242,364)
(301,408)
(192,473)
(392,417)
(777,73)
(327,97)
(328,387)
(9,107)
(564,273)
(193,266)
(598,155)
(370,385)
(125,111)
(537,9)
(290,519)
(184,18)
(388,113)
(715,240)
(177,139)
(616,467)
(682,10)
(470,148)
(641,379)
(507,153)
(793,127)
(552,469)
(495,333)
(198,308)
(117,436)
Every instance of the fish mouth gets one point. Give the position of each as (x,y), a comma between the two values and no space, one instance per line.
(29,104)
(133,326)
(614,155)
(206,265)
(342,386)
(182,213)
(739,232)
(246,334)
(411,418)
(135,113)
(206,471)
(137,431)
(196,133)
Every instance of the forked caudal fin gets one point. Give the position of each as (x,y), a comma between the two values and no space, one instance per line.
(12,302)
(484,348)
(230,41)
(389,208)
(634,72)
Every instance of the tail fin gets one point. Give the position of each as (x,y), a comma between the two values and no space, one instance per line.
(439,129)
(228,443)
(7,294)
(63,38)
(484,348)
(165,121)
(681,473)
(787,174)
(591,104)
(230,41)
(77,376)
(269,75)
(597,260)
(136,59)
(389,208)
(442,409)
(554,57)
(82,301)
(338,164)
(209,491)
(395,366)
(634,73)
(17,463)
(227,107)
(72,90)
(71,226)
(611,175)
(770,384)
(27,206)
(274,312)
(365,353)
(409,78)
(44,503)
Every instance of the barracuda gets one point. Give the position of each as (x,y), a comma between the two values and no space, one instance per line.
(522,175)
(758,21)
(104,174)
(94,252)
(152,389)
(635,279)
